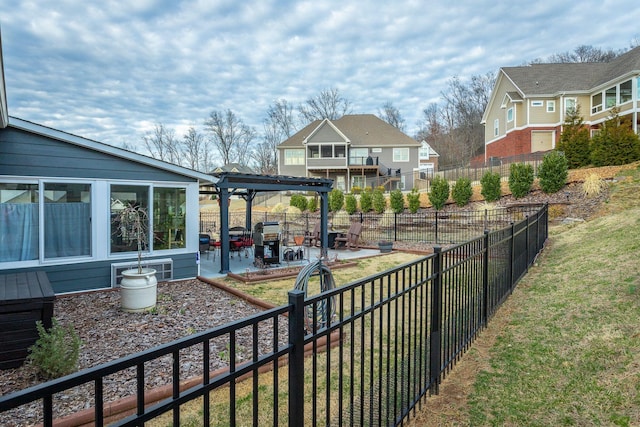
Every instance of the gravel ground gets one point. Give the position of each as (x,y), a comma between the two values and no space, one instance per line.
(183,308)
(108,333)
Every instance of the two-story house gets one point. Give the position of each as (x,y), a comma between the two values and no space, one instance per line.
(528,105)
(355,150)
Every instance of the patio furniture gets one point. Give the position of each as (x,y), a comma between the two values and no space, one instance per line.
(204,242)
(313,238)
(215,244)
(350,238)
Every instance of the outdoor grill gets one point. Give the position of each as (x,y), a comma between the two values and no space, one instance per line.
(266,237)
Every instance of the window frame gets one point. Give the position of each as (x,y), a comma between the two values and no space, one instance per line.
(510,115)
(596,108)
(551,106)
(300,157)
(401,154)
(537,103)
(496,127)
(628,92)
(567,100)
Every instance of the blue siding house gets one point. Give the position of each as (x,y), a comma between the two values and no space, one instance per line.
(59,199)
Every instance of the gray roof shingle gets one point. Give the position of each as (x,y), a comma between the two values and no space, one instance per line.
(549,79)
(366,130)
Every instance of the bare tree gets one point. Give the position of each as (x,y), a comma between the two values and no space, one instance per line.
(280,117)
(230,136)
(162,144)
(453,127)
(582,53)
(194,148)
(391,115)
(329,104)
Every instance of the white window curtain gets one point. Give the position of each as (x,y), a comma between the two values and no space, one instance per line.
(67,230)
(18,231)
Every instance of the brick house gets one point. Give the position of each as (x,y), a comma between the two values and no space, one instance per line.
(528,104)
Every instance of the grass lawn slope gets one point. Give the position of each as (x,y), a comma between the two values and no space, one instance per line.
(565,348)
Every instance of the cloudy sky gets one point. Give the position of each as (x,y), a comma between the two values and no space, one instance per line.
(109,70)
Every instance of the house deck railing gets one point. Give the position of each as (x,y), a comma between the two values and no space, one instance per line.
(375,347)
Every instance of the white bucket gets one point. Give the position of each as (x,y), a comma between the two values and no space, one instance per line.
(138,291)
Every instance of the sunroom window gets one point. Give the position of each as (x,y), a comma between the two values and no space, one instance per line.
(169,206)
(610,97)
(19,227)
(596,103)
(67,220)
(122,196)
(625,92)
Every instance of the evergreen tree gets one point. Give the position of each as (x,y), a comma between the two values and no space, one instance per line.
(574,140)
(615,143)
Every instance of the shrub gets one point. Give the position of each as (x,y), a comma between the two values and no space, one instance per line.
(336,200)
(616,143)
(56,352)
(520,179)
(299,201)
(439,192)
(312,206)
(350,204)
(575,142)
(490,183)
(396,201)
(356,190)
(366,201)
(378,200)
(462,191)
(413,199)
(553,172)
(592,185)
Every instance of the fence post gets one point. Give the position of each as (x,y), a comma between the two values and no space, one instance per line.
(436,214)
(512,250)
(527,246)
(435,344)
(395,227)
(485,280)
(296,359)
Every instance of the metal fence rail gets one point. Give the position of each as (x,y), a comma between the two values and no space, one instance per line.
(392,339)
(433,227)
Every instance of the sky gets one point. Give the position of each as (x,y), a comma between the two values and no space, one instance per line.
(111,70)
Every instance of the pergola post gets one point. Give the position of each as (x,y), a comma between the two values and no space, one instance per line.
(224,230)
(324,222)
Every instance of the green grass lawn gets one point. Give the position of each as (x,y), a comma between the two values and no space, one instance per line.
(567,350)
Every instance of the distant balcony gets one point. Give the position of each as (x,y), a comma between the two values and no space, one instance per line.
(326,162)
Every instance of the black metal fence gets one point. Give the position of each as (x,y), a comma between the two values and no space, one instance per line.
(392,339)
(432,227)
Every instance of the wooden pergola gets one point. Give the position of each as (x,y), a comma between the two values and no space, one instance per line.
(247,186)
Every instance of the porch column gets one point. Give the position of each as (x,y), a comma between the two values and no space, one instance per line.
(224,230)
(324,223)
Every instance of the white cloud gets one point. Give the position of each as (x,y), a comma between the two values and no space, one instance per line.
(111,70)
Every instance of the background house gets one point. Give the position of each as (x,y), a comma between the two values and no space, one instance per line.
(60,195)
(355,150)
(528,104)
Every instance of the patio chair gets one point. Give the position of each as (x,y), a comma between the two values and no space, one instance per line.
(215,244)
(204,242)
(247,244)
(313,238)
(349,240)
